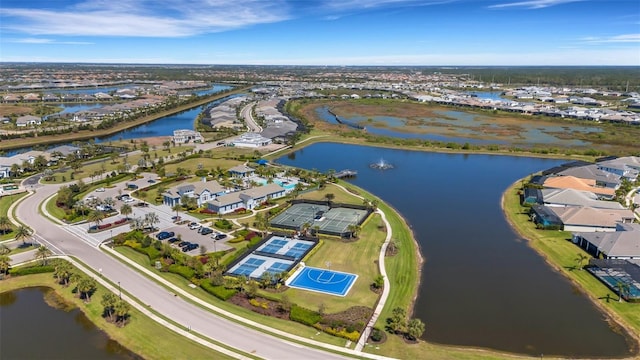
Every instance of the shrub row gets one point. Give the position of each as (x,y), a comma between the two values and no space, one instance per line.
(31,270)
(304,316)
(184,271)
(150,251)
(341,332)
(220,291)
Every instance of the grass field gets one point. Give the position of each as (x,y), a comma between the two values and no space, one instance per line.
(141,335)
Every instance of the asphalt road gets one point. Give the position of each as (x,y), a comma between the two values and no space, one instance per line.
(61,240)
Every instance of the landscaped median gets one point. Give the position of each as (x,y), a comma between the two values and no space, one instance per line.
(561,254)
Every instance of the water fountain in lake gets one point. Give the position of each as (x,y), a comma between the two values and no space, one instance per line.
(381,165)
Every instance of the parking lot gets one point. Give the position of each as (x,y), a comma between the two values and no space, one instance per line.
(194,237)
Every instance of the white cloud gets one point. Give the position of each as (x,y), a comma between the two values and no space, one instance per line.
(371,4)
(533,4)
(626,38)
(145,18)
(48,41)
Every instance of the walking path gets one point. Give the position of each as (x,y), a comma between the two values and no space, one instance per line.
(362,341)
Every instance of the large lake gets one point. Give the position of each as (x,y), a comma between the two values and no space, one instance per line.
(481,285)
(31,329)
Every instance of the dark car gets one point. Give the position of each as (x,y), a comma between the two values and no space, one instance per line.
(206,231)
(151,181)
(220,236)
(165,235)
(183,243)
(142,204)
(190,247)
(173,240)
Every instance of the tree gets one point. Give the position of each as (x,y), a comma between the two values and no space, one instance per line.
(23,233)
(398,320)
(43,254)
(415,329)
(167,146)
(126,210)
(96,217)
(114,157)
(109,301)
(378,282)
(122,310)
(177,207)
(86,286)
(5,264)
(63,272)
(5,224)
(151,219)
(580,260)
(262,223)
(353,229)
(329,197)
(623,289)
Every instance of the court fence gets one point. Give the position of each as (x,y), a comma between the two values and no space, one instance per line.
(332,205)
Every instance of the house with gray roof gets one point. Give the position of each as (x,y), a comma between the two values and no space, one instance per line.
(624,243)
(201,191)
(588,219)
(28,120)
(627,167)
(572,197)
(602,178)
(241,171)
(245,199)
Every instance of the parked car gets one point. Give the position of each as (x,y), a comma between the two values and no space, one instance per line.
(219,236)
(173,240)
(151,181)
(190,247)
(142,204)
(183,243)
(132,186)
(128,199)
(165,235)
(194,225)
(101,189)
(206,231)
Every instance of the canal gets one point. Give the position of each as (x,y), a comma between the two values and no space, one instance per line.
(481,285)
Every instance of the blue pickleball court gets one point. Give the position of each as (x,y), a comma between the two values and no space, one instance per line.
(322,281)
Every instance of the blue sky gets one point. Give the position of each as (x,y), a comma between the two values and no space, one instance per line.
(329,32)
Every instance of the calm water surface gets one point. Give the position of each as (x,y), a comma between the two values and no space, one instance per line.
(31,329)
(481,284)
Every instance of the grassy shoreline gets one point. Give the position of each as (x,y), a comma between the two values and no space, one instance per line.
(139,336)
(559,253)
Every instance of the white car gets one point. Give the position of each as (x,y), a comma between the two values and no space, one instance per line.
(100,189)
(128,199)
(194,226)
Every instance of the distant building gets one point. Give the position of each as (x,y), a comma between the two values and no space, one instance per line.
(184,136)
(251,140)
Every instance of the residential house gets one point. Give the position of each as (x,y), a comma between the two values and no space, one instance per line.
(202,191)
(571,197)
(245,199)
(251,140)
(626,167)
(28,120)
(587,219)
(184,136)
(572,182)
(544,217)
(623,243)
(241,171)
(602,178)
(5,171)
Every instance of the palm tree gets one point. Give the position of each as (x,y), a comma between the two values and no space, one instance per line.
(353,230)
(5,224)
(5,264)
(177,207)
(580,260)
(109,301)
(43,254)
(23,233)
(96,217)
(623,288)
(122,309)
(126,210)
(63,272)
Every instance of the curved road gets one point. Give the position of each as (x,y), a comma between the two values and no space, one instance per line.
(62,241)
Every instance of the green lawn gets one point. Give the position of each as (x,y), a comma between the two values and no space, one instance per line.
(206,163)
(141,335)
(5,202)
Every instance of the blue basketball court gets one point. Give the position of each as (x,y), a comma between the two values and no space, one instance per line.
(322,281)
